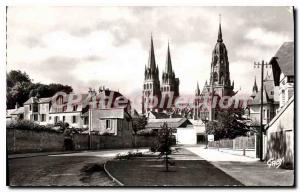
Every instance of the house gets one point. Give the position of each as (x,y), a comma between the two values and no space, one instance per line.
(70,108)
(270,101)
(111,121)
(185,132)
(280,130)
(15,114)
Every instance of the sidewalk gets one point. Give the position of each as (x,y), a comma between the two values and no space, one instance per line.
(249,171)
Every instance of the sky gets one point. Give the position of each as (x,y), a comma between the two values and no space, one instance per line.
(108,46)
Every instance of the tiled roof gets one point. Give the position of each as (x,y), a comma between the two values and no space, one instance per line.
(172,122)
(285,58)
(112,113)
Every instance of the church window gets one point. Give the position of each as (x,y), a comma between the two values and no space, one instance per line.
(215,76)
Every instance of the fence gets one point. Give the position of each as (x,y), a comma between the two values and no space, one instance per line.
(237,143)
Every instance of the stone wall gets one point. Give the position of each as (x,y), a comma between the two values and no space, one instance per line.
(23,141)
(29,141)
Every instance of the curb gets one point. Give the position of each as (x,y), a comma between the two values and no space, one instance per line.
(24,155)
(112,177)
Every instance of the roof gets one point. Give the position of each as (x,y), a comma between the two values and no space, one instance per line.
(18,111)
(161,115)
(283,61)
(31,100)
(172,122)
(37,100)
(268,94)
(112,113)
(285,58)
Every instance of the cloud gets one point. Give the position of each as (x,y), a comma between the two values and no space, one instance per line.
(94,46)
(266,38)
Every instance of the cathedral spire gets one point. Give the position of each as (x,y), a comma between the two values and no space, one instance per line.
(220,30)
(197,90)
(168,68)
(255,88)
(151,61)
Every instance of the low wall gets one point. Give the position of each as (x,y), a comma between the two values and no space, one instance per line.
(23,141)
(29,141)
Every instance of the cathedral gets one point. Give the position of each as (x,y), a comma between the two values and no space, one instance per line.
(219,84)
(157,96)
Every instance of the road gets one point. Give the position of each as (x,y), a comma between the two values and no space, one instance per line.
(74,169)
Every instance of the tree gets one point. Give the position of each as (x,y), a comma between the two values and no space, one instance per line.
(228,124)
(19,88)
(165,142)
(139,123)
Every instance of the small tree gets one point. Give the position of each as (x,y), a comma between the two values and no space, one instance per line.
(165,141)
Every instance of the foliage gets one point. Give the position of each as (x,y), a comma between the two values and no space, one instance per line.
(28,125)
(165,142)
(228,124)
(129,155)
(138,124)
(19,88)
(146,132)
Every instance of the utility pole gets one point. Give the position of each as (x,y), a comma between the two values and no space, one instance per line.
(261,130)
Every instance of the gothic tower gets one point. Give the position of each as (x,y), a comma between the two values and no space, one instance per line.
(254,89)
(219,83)
(220,75)
(151,88)
(170,84)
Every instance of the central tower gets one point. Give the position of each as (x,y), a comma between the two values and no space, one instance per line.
(220,75)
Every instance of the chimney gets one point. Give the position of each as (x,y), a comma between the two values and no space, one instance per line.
(17,105)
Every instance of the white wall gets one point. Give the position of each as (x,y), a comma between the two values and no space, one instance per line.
(186,136)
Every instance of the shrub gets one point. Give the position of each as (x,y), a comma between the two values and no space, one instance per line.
(129,155)
(146,132)
(28,125)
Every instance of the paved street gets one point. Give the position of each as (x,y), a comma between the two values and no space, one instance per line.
(75,169)
(195,166)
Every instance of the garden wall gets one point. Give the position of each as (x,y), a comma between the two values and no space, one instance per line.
(29,141)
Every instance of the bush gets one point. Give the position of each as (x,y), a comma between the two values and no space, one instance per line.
(28,125)
(146,132)
(129,155)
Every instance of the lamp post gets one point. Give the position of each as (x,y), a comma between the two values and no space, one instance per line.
(261,130)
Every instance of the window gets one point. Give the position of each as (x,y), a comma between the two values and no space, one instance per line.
(283,97)
(64,118)
(86,120)
(55,119)
(272,92)
(64,108)
(43,117)
(74,119)
(29,107)
(49,117)
(75,107)
(107,124)
(35,117)
(35,107)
